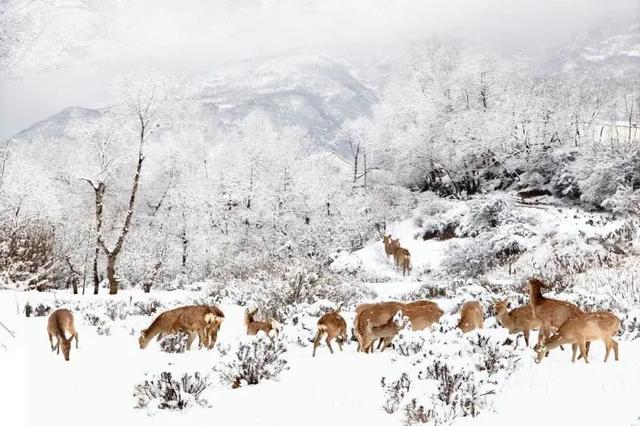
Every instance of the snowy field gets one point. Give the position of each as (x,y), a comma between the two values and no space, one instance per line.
(96,386)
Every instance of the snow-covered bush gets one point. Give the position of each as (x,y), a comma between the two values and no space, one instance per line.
(116,310)
(345,263)
(444,375)
(40,310)
(395,391)
(469,258)
(174,343)
(251,360)
(148,307)
(165,392)
(486,214)
(93,319)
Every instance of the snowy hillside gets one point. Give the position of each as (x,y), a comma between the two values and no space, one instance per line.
(351,387)
(613,50)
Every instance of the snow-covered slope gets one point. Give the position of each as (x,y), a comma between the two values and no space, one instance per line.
(610,51)
(308,91)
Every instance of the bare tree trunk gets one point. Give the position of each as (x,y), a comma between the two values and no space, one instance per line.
(355,164)
(99,197)
(111,274)
(112,255)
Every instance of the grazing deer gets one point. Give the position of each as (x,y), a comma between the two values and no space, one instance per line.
(331,325)
(270,328)
(401,256)
(517,320)
(421,314)
(579,331)
(471,316)
(551,313)
(203,321)
(388,245)
(60,324)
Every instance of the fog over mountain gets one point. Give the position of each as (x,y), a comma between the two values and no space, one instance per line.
(81,46)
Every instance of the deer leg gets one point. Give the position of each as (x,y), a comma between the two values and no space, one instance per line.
(583,351)
(75,336)
(328,340)
(380,342)
(574,349)
(316,342)
(340,340)
(615,348)
(526,337)
(190,340)
(607,346)
(51,342)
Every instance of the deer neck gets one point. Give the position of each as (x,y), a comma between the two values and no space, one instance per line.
(505,319)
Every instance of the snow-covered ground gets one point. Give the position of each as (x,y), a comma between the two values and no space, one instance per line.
(96,386)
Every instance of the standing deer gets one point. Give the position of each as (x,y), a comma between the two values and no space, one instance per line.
(203,321)
(517,320)
(60,324)
(270,328)
(331,325)
(402,257)
(388,245)
(471,316)
(579,331)
(551,313)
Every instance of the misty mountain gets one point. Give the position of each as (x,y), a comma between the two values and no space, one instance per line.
(612,51)
(311,92)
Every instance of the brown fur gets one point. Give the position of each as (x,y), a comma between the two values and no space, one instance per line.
(471,316)
(331,325)
(376,320)
(60,324)
(517,320)
(579,331)
(201,320)
(401,256)
(388,246)
(270,328)
(551,313)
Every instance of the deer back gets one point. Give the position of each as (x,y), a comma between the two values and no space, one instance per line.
(471,316)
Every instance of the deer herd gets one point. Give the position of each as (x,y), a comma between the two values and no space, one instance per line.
(558,322)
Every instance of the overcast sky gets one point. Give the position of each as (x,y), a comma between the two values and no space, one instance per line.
(189,36)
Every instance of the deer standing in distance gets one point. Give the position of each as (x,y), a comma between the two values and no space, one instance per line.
(401,256)
(552,313)
(59,324)
(579,331)
(388,245)
(517,320)
(201,320)
(270,328)
(471,316)
(331,325)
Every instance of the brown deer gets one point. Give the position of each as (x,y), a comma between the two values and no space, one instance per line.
(551,313)
(579,331)
(517,320)
(401,256)
(471,316)
(60,324)
(270,328)
(421,314)
(374,313)
(199,320)
(331,325)
(388,246)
